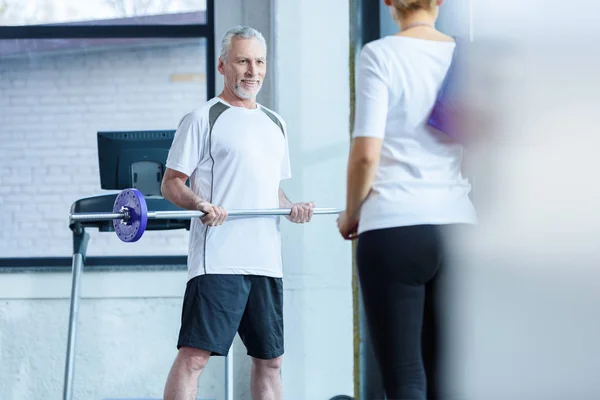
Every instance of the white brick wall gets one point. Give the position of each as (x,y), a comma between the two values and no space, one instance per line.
(52,106)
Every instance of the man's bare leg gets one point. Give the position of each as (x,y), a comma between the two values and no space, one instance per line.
(266,379)
(182,383)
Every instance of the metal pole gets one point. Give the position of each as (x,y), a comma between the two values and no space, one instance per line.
(80,242)
(234,213)
(89,217)
(73,317)
(101,216)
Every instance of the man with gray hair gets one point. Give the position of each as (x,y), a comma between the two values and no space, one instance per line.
(234,152)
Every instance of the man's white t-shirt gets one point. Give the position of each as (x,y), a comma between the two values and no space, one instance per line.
(235,158)
(419,179)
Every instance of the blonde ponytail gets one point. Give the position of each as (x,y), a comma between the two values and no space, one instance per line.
(404,7)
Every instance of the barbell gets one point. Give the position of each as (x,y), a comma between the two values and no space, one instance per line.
(130,214)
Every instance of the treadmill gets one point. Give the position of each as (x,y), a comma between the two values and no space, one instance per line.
(127,160)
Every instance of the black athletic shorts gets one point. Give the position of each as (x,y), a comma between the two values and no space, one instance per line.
(215,306)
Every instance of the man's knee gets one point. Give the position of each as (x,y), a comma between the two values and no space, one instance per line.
(193,360)
(272,365)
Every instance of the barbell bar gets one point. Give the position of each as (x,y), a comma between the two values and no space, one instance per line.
(130,214)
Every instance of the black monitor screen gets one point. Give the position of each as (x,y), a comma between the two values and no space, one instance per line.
(133,159)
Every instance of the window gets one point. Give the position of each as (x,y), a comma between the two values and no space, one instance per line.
(61,84)
(101,12)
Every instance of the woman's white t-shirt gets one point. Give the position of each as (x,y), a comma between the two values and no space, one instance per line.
(419,179)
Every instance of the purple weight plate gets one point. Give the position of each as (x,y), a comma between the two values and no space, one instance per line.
(134,201)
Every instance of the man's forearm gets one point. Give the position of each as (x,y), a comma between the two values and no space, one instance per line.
(176,191)
(284,202)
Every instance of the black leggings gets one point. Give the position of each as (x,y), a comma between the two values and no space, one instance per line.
(398,270)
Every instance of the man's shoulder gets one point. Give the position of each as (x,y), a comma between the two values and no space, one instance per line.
(272,112)
(275,117)
(201,114)
(203,110)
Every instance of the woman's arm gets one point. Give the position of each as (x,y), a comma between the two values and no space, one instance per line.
(362,165)
(369,128)
(369,131)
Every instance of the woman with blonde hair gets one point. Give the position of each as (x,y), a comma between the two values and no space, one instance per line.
(404,188)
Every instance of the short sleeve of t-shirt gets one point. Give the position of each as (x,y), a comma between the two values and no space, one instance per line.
(189,144)
(372,92)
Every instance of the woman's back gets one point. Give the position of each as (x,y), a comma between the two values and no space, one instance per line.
(419,179)
(404,180)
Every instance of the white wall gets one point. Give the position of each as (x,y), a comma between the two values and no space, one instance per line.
(455,18)
(312,47)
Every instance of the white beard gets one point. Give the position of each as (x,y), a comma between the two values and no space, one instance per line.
(246,94)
